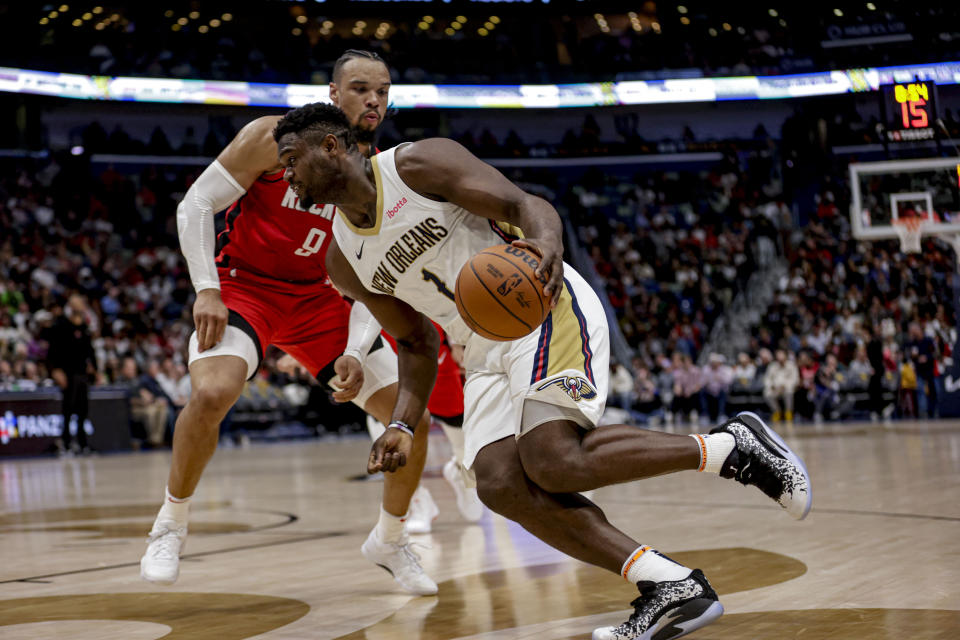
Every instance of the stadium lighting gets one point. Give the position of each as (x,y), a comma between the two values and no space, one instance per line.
(684,20)
(64,8)
(871,6)
(838,12)
(773,13)
(227,17)
(302,19)
(194,15)
(449,31)
(214,23)
(98,10)
(681,9)
(203,28)
(494,19)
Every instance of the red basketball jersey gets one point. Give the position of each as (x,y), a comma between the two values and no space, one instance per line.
(268,234)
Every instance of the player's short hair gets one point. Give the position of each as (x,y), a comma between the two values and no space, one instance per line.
(316,120)
(353,54)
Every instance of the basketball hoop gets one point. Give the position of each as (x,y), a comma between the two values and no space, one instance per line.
(910,230)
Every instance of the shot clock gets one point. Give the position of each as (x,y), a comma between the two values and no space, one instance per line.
(911,110)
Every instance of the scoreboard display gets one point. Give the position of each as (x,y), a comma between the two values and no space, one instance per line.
(911,110)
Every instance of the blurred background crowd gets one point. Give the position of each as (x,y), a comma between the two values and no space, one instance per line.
(848,329)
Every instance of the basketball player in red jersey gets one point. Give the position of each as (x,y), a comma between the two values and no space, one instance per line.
(268,285)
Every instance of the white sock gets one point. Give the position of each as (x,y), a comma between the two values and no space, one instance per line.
(390,528)
(174,508)
(456,438)
(648,564)
(714,449)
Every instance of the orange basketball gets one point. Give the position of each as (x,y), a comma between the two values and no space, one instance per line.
(498,295)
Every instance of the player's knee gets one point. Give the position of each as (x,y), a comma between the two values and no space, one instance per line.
(551,473)
(500,490)
(553,465)
(213,398)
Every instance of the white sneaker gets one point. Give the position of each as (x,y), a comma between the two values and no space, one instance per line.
(422,512)
(161,562)
(467,501)
(401,561)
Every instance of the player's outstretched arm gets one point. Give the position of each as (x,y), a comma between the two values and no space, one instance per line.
(417,345)
(442,169)
(249,154)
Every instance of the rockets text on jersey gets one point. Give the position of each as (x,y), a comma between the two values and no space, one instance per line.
(271,236)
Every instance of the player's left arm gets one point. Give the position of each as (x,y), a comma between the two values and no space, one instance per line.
(442,169)
(417,344)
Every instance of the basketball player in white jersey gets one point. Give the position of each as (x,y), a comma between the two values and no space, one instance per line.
(408,220)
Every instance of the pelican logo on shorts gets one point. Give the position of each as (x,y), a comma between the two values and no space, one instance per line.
(574,386)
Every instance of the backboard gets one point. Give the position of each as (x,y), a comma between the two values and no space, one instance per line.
(883,192)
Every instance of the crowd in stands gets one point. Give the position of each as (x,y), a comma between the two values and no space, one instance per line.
(521,44)
(110,237)
(853,327)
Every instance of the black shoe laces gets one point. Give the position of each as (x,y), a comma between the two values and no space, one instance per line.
(753,470)
(647,594)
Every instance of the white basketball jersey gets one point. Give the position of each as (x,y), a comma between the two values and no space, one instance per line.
(417,246)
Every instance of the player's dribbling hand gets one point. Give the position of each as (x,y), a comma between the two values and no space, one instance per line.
(349,378)
(389,451)
(210,317)
(551,264)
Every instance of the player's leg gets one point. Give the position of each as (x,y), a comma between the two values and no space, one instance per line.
(576,526)
(468,503)
(585,460)
(399,486)
(217,377)
(388,544)
(215,385)
(561,456)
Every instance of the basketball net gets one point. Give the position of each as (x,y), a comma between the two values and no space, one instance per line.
(910,230)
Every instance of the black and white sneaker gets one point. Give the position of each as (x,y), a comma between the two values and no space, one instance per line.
(667,610)
(761,458)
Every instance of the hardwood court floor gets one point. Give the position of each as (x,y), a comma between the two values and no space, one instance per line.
(276,530)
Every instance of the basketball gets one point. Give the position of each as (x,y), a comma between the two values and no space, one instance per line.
(498,294)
